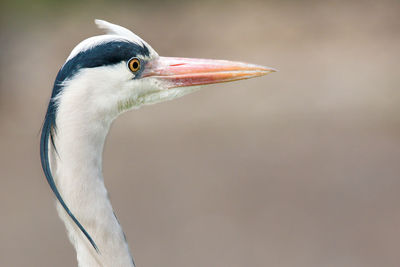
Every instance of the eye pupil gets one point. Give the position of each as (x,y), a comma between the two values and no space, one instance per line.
(134,64)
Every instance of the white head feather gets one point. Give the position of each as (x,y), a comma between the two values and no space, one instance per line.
(113,32)
(114,29)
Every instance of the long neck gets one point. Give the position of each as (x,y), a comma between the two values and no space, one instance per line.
(77,169)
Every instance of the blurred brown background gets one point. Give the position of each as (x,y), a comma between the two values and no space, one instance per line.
(298,168)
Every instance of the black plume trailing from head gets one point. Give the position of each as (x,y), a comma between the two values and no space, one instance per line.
(104,54)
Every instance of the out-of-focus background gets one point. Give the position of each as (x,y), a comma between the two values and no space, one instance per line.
(298,168)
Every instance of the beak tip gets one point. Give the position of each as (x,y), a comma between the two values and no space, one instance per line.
(269,70)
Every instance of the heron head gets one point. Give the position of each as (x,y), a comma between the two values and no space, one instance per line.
(112,73)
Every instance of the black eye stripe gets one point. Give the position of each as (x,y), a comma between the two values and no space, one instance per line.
(104,54)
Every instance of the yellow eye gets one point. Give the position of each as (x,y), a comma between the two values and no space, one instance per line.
(134,64)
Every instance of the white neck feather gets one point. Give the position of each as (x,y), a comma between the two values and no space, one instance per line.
(77,170)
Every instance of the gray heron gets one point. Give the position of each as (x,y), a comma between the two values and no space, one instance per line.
(103,77)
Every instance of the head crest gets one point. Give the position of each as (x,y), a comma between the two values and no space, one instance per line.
(114,29)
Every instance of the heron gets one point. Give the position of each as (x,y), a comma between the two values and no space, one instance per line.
(103,77)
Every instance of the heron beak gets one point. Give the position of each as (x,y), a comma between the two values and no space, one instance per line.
(180,72)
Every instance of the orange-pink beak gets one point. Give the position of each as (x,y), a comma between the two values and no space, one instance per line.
(179,72)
